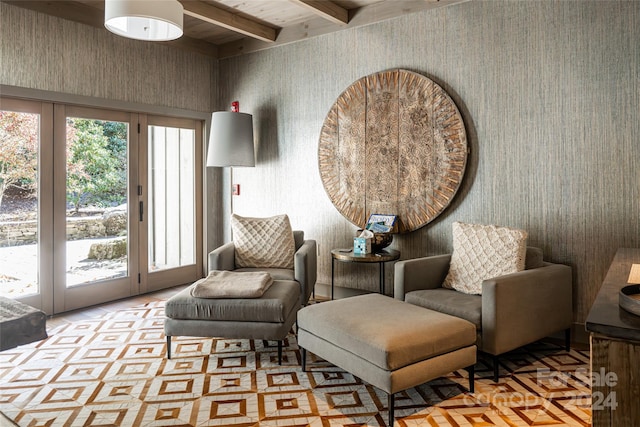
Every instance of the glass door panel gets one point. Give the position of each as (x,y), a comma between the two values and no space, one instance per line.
(25,233)
(94,221)
(97,213)
(19,146)
(173,200)
(171,215)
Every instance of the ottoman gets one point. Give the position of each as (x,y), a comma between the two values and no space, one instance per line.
(20,324)
(269,317)
(390,344)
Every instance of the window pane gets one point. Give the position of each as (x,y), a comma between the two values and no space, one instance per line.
(97,206)
(19,144)
(171,198)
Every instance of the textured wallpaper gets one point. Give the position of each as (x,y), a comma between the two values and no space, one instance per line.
(38,51)
(550,96)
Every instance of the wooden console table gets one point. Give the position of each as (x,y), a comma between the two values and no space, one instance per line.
(615,349)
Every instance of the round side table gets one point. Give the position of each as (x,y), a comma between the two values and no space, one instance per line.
(347,255)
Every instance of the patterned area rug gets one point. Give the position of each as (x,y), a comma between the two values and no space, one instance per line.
(113,371)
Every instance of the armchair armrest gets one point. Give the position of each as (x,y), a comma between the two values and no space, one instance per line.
(305,268)
(223,258)
(524,307)
(419,273)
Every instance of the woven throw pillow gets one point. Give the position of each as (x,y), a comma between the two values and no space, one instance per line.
(263,242)
(482,252)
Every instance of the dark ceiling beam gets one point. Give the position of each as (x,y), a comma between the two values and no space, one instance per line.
(222,18)
(326,9)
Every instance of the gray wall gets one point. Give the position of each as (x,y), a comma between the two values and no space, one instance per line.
(550,96)
(42,52)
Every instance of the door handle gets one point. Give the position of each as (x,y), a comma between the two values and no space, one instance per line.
(141,211)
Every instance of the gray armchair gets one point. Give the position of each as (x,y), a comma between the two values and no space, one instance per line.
(513,310)
(304,270)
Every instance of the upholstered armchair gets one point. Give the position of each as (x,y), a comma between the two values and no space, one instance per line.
(512,310)
(303,271)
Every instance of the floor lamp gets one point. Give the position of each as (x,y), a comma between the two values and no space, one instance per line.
(231,143)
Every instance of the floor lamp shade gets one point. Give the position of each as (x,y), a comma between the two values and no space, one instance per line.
(231,140)
(149,20)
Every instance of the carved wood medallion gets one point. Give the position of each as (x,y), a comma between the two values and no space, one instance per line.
(392,143)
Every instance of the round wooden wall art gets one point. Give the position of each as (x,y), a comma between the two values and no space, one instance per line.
(393,143)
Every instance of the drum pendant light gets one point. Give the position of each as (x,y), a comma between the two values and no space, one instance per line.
(150,20)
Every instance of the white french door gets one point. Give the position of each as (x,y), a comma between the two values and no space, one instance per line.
(96,168)
(118,201)
(170,196)
(26,202)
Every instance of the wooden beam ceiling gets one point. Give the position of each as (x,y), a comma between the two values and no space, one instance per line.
(326,9)
(216,29)
(228,20)
(366,15)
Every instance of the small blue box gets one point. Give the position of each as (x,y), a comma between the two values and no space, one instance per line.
(361,245)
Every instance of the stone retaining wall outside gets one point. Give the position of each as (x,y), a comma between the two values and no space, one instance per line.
(25,232)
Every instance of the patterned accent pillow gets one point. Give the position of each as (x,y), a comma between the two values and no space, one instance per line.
(263,242)
(482,252)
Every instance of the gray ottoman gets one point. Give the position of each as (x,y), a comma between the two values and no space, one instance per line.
(20,324)
(269,317)
(390,344)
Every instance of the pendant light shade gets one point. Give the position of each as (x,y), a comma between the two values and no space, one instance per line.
(231,140)
(150,20)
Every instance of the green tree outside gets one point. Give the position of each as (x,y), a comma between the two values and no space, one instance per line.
(96,158)
(96,163)
(18,151)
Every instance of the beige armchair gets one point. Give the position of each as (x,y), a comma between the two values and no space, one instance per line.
(304,271)
(513,310)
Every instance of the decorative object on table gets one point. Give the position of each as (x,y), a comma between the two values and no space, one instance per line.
(362,242)
(629,296)
(393,142)
(629,299)
(381,223)
(379,241)
(381,226)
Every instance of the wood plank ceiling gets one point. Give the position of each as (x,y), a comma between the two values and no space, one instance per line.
(224,28)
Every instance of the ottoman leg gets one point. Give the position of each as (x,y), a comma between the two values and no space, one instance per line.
(168,347)
(280,352)
(303,356)
(391,401)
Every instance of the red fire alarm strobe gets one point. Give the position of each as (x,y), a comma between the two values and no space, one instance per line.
(235,107)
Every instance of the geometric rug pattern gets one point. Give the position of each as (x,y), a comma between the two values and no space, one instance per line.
(113,371)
